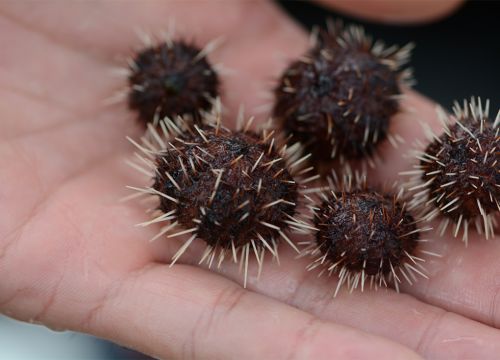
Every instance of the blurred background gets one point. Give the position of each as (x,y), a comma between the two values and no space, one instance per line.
(455,58)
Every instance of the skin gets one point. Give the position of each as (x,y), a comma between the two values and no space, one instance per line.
(71,259)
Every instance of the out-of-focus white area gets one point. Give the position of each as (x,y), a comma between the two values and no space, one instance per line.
(22,341)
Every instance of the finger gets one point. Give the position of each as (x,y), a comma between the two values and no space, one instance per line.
(466,281)
(391,11)
(435,333)
(187,312)
(207,317)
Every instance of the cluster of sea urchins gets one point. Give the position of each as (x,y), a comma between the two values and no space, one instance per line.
(239,192)
(457,177)
(235,190)
(338,99)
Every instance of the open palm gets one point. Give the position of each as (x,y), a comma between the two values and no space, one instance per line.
(71,259)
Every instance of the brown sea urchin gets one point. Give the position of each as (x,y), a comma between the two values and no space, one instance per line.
(338,99)
(234,190)
(365,235)
(458,176)
(169,79)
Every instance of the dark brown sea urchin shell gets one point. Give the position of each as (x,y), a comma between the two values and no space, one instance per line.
(458,175)
(234,190)
(365,235)
(227,186)
(473,162)
(338,99)
(366,231)
(171,79)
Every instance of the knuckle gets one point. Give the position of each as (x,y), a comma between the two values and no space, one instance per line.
(306,340)
(225,302)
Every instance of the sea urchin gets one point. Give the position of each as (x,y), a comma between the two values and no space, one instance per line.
(458,174)
(365,235)
(234,190)
(169,79)
(338,99)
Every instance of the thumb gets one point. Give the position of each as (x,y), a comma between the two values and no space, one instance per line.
(393,11)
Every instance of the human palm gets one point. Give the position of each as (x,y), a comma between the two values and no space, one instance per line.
(71,258)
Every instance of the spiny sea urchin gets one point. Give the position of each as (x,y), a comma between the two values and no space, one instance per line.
(458,175)
(363,234)
(338,99)
(234,190)
(172,78)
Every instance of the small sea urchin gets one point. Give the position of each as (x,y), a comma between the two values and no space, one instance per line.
(172,78)
(234,190)
(458,174)
(338,99)
(365,235)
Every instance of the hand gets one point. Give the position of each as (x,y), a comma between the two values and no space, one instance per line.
(71,259)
